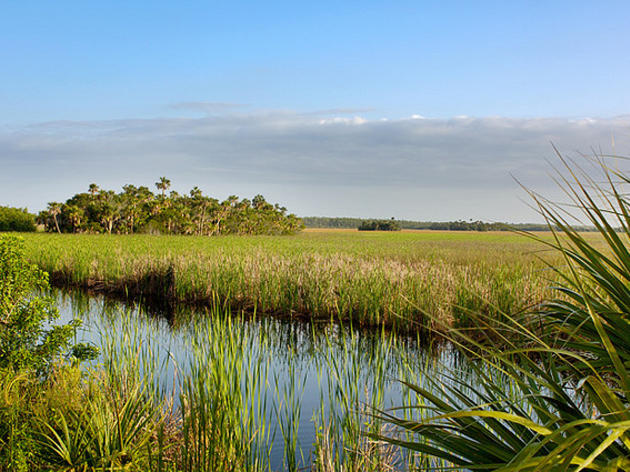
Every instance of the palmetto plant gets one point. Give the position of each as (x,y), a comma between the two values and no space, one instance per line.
(558,398)
(114,430)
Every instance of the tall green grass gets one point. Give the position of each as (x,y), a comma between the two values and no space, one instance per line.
(407,280)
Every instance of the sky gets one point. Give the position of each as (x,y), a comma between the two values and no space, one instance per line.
(416,110)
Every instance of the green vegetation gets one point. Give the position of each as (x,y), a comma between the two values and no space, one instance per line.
(28,350)
(137,209)
(216,411)
(559,398)
(16,219)
(549,389)
(397,279)
(24,342)
(379,225)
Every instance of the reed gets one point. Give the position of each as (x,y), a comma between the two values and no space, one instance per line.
(217,392)
(231,401)
(409,280)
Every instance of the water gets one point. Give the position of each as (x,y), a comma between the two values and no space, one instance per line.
(304,378)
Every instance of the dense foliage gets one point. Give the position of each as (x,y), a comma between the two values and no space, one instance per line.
(379,225)
(24,342)
(137,209)
(371,278)
(16,219)
(31,349)
(461,225)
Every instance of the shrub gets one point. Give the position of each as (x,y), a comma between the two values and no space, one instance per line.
(28,350)
(16,219)
(25,343)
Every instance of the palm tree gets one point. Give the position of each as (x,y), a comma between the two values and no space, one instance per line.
(128,203)
(75,214)
(199,204)
(109,210)
(54,209)
(108,216)
(100,210)
(227,206)
(163,185)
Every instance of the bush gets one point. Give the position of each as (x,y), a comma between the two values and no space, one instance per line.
(16,219)
(24,343)
(28,351)
(379,225)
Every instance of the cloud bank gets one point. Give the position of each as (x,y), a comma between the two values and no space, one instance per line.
(321,163)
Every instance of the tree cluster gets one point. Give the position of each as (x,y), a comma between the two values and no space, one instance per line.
(379,225)
(461,225)
(343,222)
(16,219)
(137,209)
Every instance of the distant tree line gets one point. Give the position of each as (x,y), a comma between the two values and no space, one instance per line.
(16,219)
(332,222)
(460,225)
(137,209)
(379,225)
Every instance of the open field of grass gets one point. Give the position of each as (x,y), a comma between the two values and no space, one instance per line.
(367,278)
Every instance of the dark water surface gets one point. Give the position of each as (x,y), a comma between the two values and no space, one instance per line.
(306,377)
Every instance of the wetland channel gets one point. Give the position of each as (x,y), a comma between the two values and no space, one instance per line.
(297,381)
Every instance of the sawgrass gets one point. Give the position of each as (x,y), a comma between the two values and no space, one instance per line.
(408,280)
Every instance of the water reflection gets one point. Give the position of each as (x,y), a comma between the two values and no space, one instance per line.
(300,378)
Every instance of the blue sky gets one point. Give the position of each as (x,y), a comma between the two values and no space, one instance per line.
(313,70)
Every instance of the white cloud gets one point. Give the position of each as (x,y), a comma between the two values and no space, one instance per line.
(355,120)
(359,164)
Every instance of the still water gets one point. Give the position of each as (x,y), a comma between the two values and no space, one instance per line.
(299,378)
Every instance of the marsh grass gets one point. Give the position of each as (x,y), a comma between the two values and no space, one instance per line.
(224,406)
(412,281)
(215,391)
